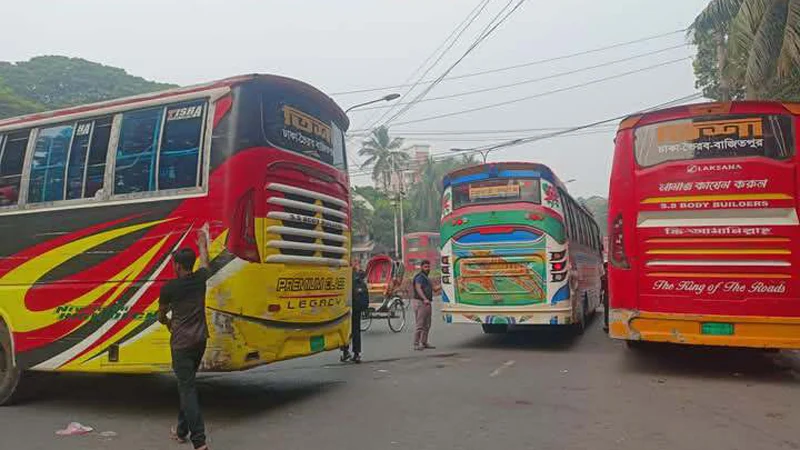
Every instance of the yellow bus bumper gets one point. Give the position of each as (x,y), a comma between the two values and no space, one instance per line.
(747,331)
(238,343)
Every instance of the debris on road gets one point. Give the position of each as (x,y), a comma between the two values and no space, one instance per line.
(75,429)
(500,369)
(108,434)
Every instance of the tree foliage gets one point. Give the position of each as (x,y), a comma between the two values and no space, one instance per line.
(598,206)
(385,155)
(748,48)
(52,82)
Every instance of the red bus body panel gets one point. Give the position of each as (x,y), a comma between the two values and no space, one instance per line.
(706,241)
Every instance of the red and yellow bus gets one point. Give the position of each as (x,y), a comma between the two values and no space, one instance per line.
(703,226)
(418,247)
(94,199)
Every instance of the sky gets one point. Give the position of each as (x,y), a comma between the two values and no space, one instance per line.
(346,45)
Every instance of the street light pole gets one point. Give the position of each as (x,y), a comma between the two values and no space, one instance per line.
(485,151)
(385,98)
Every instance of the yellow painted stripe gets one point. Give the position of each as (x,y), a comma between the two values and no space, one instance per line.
(712,240)
(768,276)
(720,251)
(698,198)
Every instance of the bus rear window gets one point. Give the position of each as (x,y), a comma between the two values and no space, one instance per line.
(714,137)
(499,190)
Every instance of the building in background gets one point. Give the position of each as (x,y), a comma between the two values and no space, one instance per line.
(418,154)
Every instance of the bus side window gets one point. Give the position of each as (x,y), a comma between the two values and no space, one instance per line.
(87,158)
(49,164)
(136,152)
(181,142)
(12,157)
(98,152)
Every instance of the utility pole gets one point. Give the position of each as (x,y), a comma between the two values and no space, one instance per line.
(402,224)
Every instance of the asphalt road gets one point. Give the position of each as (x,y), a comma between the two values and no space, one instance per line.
(534,390)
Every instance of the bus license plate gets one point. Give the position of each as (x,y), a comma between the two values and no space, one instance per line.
(717,329)
(317,343)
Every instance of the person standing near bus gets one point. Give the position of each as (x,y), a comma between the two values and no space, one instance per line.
(360,303)
(423,306)
(184,297)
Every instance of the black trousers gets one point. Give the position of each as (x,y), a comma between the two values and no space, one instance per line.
(185,363)
(355,331)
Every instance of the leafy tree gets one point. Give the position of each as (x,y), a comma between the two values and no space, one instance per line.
(750,47)
(12,104)
(380,221)
(426,195)
(361,215)
(384,155)
(598,206)
(59,81)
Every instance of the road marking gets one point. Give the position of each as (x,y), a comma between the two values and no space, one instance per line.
(500,369)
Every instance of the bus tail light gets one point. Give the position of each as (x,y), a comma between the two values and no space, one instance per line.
(558,266)
(242,239)
(616,242)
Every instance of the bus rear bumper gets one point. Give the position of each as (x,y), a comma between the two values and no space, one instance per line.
(239,343)
(506,315)
(697,329)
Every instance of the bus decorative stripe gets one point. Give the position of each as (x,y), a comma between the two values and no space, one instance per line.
(519,173)
(749,276)
(721,251)
(719,263)
(470,178)
(562,294)
(714,240)
(697,198)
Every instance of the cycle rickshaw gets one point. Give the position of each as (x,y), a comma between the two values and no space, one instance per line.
(384,277)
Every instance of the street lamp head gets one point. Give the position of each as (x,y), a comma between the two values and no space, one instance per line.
(385,98)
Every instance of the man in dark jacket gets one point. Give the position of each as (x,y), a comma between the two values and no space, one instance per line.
(182,308)
(360,304)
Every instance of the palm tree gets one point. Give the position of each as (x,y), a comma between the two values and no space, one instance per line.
(757,41)
(384,155)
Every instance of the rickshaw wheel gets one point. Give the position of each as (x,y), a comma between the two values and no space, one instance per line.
(397,315)
(366,319)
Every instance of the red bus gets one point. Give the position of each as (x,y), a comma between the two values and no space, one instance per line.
(94,199)
(418,247)
(703,226)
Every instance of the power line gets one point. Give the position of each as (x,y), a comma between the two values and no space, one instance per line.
(490,28)
(515,142)
(564,132)
(534,80)
(447,154)
(453,38)
(518,66)
(465,132)
(543,94)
